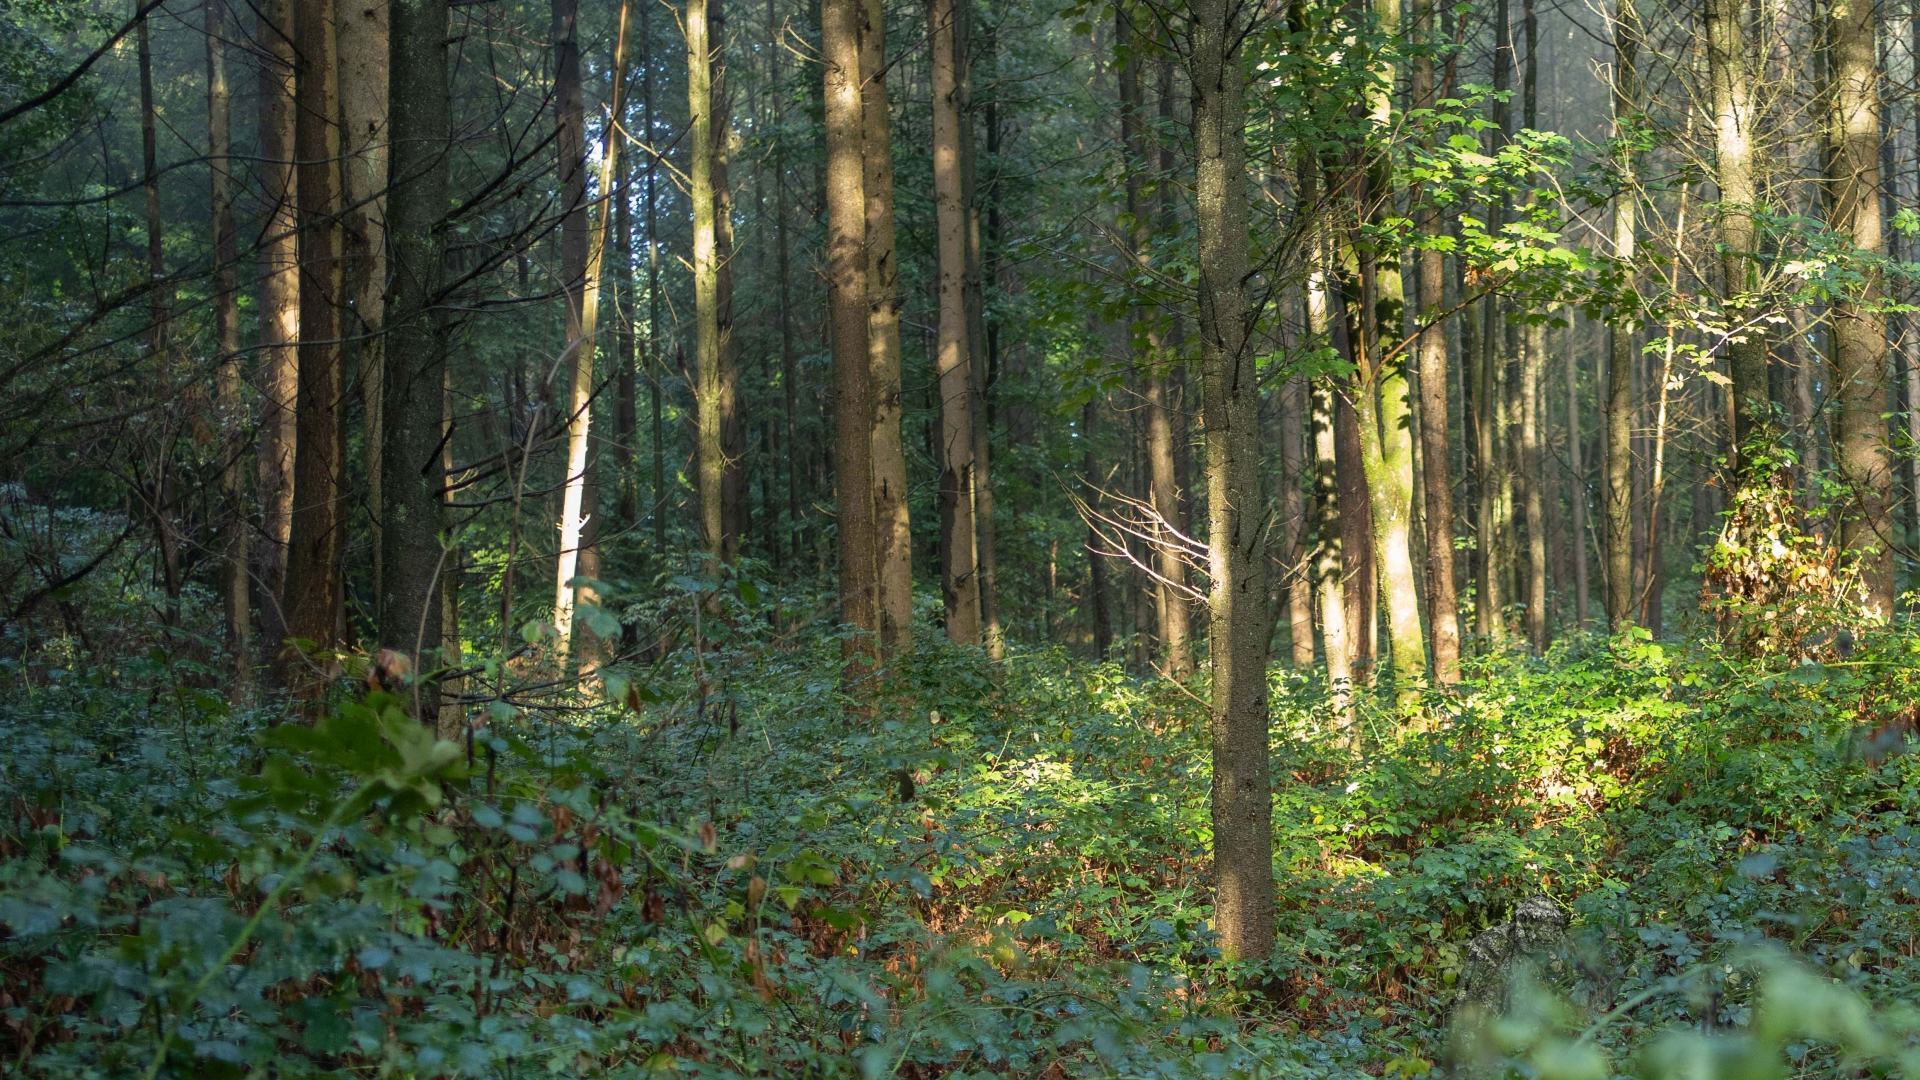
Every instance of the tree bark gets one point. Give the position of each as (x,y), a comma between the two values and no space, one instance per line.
(235,583)
(713,329)
(1242,798)
(847,305)
(1860,355)
(959,581)
(411,606)
(1730,75)
(365,145)
(894,535)
(278,377)
(318,531)
(1430,364)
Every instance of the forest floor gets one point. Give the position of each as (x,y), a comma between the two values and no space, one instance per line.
(1001,872)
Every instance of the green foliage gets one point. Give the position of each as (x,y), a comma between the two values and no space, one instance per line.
(717,873)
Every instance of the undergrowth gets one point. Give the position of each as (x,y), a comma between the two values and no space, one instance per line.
(718,868)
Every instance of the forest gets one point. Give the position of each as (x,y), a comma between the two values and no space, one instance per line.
(960,538)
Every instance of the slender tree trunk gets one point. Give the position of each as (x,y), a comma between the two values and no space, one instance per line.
(1239,631)
(1577,489)
(1618,406)
(1294,518)
(318,531)
(847,302)
(1169,599)
(412,604)
(1329,570)
(159,494)
(364,144)
(571,169)
(1730,74)
(984,364)
(959,581)
(1533,464)
(580,497)
(1099,616)
(789,366)
(626,410)
(235,584)
(894,535)
(1430,363)
(713,333)
(278,377)
(1860,369)
(656,355)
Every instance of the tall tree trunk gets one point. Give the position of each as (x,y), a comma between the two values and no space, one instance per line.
(1533,361)
(1242,797)
(959,581)
(1730,74)
(1151,361)
(894,535)
(1294,518)
(846,255)
(1860,368)
(579,499)
(364,144)
(318,532)
(1577,490)
(1430,363)
(984,362)
(1099,617)
(626,407)
(159,493)
(789,367)
(656,353)
(1329,565)
(570,167)
(1618,406)
(235,584)
(713,329)
(278,377)
(412,606)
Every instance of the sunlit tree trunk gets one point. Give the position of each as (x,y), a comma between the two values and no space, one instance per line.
(1430,363)
(959,581)
(278,377)
(580,497)
(1617,408)
(893,535)
(318,532)
(364,145)
(846,258)
(570,167)
(1731,104)
(1242,798)
(235,583)
(411,604)
(713,323)
(1294,518)
(1860,356)
(1533,367)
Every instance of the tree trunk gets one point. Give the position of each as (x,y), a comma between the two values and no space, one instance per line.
(847,305)
(959,581)
(984,364)
(656,356)
(318,530)
(626,408)
(571,168)
(1099,617)
(365,144)
(411,605)
(580,498)
(159,492)
(894,535)
(1169,597)
(1242,797)
(279,315)
(1860,369)
(1533,360)
(713,329)
(1430,364)
(1730,74)
(1293,515)
(235,584)
(1577,490)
